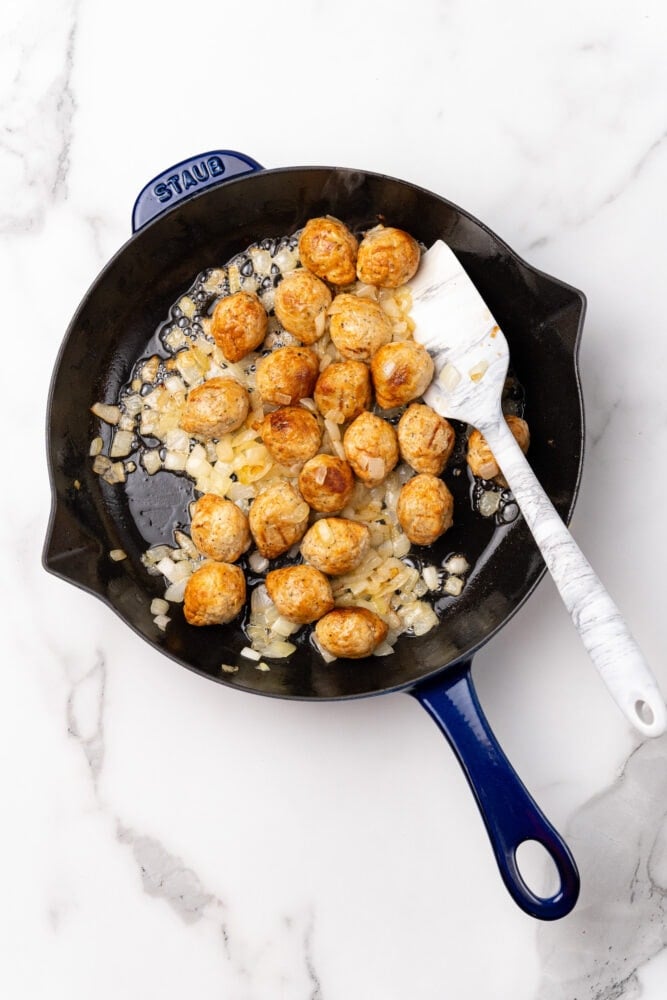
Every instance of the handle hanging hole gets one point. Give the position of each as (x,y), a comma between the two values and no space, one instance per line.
(537,868)
(644,712)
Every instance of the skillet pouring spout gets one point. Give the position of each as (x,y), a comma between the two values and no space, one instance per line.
(510,815)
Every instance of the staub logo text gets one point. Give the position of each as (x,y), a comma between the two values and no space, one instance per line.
(192,176)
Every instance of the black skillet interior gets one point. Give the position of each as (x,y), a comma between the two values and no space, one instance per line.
(540,316)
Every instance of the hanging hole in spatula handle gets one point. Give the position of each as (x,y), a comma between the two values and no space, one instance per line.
(510,814)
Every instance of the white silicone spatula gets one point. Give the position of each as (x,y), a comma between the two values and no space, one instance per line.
(471,357)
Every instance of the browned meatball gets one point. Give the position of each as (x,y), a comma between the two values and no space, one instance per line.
(359,327)
(343,390)
(329,250)
(278,518)
(215,408)
(425,509)
(214,594)
(326,483)
(387,257)
(219,529)
(425,439)
(292,434)
(401,372)
(287,375)
(239,324)
(371,448)
(335,545)
(480,457)
(301,593)
(301,304)
(351,632)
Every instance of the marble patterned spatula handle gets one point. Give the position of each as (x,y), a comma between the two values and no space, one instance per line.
(471,357)
(605,635)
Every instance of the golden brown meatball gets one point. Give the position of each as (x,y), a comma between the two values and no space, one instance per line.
(335,545)
(301,593)
(278,518)
(326,483)
(219,529)
(350,632)
(425,439)
(214,594)
(287,375)
(371,448)
(343,391)
(329,250)
(301,304)
(292,434)
(480,457)
(387,257)
(215,408)
(425,509)
(359,327)
(239,324)
(401,372)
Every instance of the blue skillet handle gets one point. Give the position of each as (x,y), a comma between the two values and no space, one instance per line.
(187,178)
(509,813)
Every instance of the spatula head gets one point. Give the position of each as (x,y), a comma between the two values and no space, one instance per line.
(455,325)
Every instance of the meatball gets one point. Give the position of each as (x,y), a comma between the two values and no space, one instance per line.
(335,545)
(329,250)
(480,457)
(343,390)
(425,509)
(359,327)
(287,375)
(239,324)
(425,439)
(351,632)
(301,304)
(401,372)
(214,594)
(371,448)
(387,257)
(278,518)
(326,483)
(215,408)
(219,529)
(301,593)
(292,434)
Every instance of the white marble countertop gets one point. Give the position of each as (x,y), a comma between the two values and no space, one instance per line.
(166,836)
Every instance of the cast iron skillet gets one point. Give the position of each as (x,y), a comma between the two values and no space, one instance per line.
(194,216)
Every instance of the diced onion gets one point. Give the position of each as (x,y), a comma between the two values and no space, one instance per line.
(449,377)
(430,576)
(159,606)
(118,555)
(175,592)
(162,621)
(478,372)
(250,654)
(457,565)
(453,585)
(96,446)
(121,444)
(257,562)
(151,461)
(109,414)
